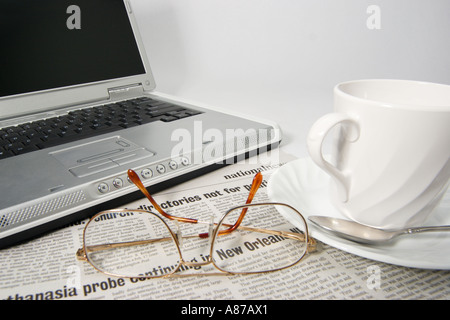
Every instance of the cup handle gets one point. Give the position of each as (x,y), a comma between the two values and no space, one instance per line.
(316,136)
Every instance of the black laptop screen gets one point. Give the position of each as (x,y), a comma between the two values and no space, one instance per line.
(48,44)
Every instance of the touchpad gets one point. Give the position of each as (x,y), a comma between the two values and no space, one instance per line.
(101,155)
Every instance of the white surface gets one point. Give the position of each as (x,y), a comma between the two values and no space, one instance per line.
(281,58)
(304,186)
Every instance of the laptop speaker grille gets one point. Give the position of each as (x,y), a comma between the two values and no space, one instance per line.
(37,210)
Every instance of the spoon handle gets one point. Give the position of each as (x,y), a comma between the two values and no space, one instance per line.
(428,229)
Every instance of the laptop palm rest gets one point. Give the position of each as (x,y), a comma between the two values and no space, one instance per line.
(95,157)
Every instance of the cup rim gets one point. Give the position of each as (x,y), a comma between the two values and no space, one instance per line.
(338,89)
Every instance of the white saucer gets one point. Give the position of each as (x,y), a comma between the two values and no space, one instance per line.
(304,186)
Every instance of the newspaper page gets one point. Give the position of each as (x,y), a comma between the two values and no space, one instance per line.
(47,268)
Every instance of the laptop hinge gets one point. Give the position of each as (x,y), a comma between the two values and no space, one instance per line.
(126,92)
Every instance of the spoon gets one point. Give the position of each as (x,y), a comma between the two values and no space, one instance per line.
(363,234)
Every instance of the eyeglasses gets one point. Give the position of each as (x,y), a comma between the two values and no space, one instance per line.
(248,239)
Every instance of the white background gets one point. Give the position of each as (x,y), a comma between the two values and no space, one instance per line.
(280,59)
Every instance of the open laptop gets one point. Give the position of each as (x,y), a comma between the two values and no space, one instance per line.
(78,108)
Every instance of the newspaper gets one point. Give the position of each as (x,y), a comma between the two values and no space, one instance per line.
(47,269)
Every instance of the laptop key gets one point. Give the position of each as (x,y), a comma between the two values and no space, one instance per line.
(24,149)
(168,118)
(5,153)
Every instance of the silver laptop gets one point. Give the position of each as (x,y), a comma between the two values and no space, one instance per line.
(78,109)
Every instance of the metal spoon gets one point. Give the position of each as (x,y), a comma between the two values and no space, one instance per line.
(363,234)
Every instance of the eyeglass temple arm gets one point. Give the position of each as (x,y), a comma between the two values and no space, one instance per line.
(257,180)
(135,179)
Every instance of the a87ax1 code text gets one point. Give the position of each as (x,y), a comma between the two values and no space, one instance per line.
(230,309)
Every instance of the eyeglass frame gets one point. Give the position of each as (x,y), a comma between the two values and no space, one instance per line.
(311,244)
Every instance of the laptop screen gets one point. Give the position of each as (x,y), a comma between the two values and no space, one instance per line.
(49,44)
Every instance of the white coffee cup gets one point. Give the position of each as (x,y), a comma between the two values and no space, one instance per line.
(390,165)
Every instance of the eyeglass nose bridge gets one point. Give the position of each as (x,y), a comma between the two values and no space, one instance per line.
(179,238)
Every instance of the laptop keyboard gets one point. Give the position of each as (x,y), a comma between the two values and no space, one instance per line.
(86,123)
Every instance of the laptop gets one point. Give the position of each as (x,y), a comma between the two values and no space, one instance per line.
(78,108)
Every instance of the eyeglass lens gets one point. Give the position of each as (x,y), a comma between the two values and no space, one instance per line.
(265,241)
(131,244)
